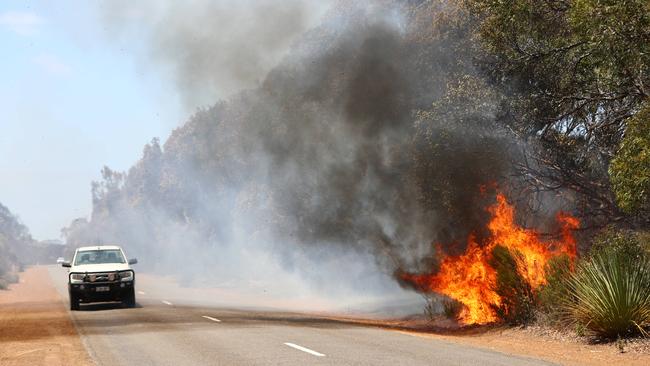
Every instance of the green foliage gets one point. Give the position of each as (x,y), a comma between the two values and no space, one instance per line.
(630,170)
(610,292)
(14,240)
(572,73)
(567,59)
(555,292)
(634,245)
(518,300)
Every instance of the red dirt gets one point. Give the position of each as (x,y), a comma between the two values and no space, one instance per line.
(35,328)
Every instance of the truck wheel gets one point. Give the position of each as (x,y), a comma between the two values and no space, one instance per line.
(129,300)
(74,302)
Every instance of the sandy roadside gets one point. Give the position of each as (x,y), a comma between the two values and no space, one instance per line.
(35,328)
(520,342)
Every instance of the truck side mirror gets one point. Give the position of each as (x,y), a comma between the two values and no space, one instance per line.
(133,260)
(66,264)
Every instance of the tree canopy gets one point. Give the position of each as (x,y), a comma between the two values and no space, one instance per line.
(573,74)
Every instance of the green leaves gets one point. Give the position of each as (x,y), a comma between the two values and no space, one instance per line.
(610,293)
(630,170)
(573,73)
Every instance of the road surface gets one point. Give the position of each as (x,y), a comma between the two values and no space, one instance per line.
(160,331)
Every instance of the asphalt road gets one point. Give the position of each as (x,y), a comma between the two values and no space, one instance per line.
(161,332)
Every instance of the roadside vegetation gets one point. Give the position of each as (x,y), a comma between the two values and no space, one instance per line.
(572,77)
(13,236)
(609,293)
(18,248)
(605,294)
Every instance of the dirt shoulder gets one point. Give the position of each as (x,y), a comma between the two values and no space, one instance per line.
(528,342)
(524,343)
(35,328)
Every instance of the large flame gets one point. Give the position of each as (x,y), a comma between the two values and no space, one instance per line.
(471,280)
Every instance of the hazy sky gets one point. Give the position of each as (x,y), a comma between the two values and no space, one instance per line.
(71,101)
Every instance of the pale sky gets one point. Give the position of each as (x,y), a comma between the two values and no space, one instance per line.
(72,100)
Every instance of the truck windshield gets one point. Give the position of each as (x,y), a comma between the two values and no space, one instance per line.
(98,256)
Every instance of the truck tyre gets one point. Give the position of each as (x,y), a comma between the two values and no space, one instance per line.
(74,302)
(129,300)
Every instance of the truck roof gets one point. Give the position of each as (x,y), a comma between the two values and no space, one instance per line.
(98,247)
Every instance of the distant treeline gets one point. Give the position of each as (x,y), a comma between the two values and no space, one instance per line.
(18,248)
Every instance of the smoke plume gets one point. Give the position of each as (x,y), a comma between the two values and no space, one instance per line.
(212,49)
(349,160)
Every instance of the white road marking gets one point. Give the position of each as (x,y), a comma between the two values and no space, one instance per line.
(167,303)
(141,293)
(211,318)
(304,349)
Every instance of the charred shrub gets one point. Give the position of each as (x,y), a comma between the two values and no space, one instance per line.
(436,303)
(430,308)
(451,308)
(518,302)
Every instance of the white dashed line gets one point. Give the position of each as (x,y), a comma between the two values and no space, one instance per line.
(167,303)
(141,293)
(211,318)
(304,349)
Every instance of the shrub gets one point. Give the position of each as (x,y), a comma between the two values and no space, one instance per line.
(555,291)
(610,292)
(451,308)
(430,308)
(11,277)
(627,243)
(518,301)
(437,303)
(629,171)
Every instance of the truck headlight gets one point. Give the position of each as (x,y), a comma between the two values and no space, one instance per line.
(77,277)
(126,276)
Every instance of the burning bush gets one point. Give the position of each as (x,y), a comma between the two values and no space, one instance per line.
(494,279)
(517,297)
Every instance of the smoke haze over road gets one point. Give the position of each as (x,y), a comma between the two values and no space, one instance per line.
(334,169)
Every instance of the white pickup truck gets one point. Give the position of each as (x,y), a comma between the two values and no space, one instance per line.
(100,273)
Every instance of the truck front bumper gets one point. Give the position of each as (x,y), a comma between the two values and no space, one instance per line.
(97,292)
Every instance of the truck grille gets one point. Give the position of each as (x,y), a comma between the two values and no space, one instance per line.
(101,277)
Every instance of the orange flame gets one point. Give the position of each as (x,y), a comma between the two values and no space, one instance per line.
(469,278)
